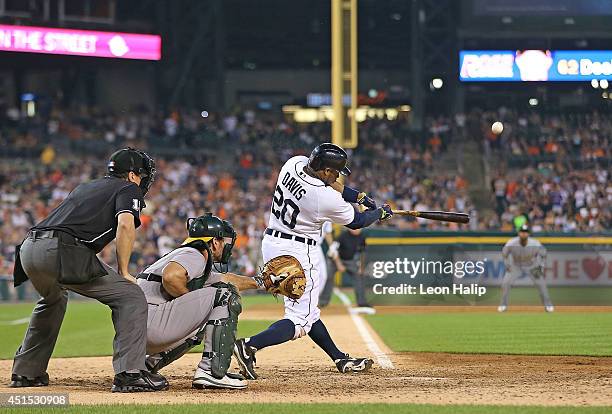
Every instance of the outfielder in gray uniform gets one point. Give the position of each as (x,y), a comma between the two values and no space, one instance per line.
(188,303)
(524,255)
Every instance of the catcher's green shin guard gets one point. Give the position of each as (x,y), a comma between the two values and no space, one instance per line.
(223,331)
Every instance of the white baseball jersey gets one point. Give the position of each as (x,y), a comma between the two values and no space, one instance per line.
(301,203)
(531,255)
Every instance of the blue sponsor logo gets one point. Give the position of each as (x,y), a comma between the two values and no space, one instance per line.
(534,65)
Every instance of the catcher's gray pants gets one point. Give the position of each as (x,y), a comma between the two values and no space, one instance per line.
(126,300)
(171,323)
(511,277)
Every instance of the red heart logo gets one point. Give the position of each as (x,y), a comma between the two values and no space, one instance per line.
(593,267)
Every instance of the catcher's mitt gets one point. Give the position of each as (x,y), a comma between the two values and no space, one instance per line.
(283,275)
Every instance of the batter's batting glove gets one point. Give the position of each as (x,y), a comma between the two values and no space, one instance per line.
(385,212)
(366,201)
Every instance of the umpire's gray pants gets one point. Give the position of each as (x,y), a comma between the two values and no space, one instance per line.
(129,311)
(352,269)
(171,323)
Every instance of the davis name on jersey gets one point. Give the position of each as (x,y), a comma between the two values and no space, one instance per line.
(301,203)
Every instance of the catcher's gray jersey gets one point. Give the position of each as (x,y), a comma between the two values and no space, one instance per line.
(533,254)
(189,258)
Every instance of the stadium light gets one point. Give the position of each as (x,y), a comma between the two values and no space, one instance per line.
(603,84)
(605,95)
(533,102)
(595,83)
(437,83)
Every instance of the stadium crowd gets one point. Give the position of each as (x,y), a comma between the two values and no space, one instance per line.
(565,185)
(584,137)
(233,160)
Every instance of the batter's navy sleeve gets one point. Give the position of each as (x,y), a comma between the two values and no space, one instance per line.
(364,219)
(129,200)
(350,194)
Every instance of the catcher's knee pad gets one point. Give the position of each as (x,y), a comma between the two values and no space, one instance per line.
(222,332)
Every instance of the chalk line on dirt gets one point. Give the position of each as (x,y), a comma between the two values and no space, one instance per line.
(381,358)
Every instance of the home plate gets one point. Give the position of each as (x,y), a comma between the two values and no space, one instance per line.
(364,310)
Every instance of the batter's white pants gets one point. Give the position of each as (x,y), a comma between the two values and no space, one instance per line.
(305,311)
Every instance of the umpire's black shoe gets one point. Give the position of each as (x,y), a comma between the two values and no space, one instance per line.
(349,364)
(141,382)
(245,355)
(18,381)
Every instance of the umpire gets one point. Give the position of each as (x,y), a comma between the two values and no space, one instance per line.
(59,254)
(347,254)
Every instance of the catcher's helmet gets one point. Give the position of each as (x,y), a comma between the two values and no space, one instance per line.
(202,229)
(138,162)
(329,155)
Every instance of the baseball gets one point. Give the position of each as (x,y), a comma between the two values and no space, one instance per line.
(497,128)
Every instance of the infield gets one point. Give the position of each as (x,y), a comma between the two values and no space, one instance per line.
(321,409)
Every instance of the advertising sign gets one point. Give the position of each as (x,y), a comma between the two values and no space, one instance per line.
(79,42)
(534,65)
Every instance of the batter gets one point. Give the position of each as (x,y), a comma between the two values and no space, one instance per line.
(303,201)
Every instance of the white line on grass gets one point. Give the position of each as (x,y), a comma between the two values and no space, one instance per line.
(16,321)
(381,358)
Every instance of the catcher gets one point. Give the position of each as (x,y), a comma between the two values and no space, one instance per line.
(189,303)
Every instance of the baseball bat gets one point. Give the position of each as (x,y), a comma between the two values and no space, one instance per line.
(435,215)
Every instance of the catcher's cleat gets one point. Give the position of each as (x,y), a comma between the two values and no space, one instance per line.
(349,364)
(142,382)
(245,355)
(18,381)
(203,379)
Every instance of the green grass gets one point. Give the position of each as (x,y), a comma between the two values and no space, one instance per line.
(520,295)
(87,329)
(316,409)
(493,333)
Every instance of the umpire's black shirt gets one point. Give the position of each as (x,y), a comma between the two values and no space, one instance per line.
(90,211)
(350,245)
